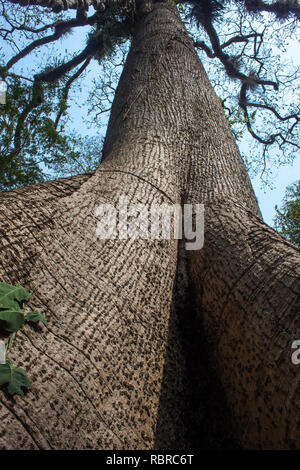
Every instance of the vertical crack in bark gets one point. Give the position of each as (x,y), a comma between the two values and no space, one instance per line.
(193,412)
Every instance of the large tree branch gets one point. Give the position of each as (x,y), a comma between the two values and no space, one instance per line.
(252,81)
(230,66)
(60,29)
(234,40)
(94,45)
(243,103)
(65,94)
(272,110)
(59,5)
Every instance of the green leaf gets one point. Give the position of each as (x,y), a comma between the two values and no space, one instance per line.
(14,378)
(11,320)
(35,317)
(10,295)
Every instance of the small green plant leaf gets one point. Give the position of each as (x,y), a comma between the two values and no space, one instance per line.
(11,320)
(10,296)
(13,378)
(35,317)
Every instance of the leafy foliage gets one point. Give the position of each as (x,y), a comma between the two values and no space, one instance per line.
(13,378)
(11,296)
(35,317)
(206,11)
(89,157)
(12,318)
(287,219)
(116,27)
(27,143)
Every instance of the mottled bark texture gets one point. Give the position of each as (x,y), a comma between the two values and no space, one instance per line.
(125,362)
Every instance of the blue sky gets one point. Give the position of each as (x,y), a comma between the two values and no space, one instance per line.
(268,198)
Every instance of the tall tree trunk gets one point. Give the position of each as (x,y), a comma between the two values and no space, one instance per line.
(111,356)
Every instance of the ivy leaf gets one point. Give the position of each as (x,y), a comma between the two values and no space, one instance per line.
(10,295)
(35,317)
(11,320)
(14,378)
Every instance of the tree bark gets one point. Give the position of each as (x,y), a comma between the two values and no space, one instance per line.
(113,353)
(248,299)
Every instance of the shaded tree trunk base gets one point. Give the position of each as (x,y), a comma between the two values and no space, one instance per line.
(193,413)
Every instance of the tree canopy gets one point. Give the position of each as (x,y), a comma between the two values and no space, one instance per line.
(244,39)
